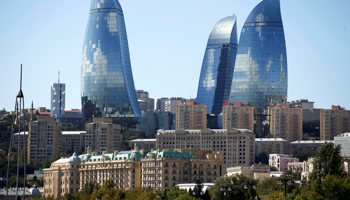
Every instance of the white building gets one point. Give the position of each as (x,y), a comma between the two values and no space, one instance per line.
(58,96)
(170,104)
(344,141)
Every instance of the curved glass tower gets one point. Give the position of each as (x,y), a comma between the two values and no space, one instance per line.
(218,63)
(260,73)
(107,84)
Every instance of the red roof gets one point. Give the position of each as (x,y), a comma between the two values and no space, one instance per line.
(44,113)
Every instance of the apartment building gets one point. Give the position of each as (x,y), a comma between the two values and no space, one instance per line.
(62,177)
(191,116)
(103,135)
(237,145)
(44,139)
(169,104)
(309,112)
(344,141)
(286,122)
(333,122)
(73,140)
(23,139)
(271,146)
(238,116)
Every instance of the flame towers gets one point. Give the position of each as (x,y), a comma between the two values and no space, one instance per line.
(260,73)
(218,63)
(107,85)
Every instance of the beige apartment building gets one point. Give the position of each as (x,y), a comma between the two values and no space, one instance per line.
(191,116)
(62,177)
(73,140)
(286,122)
(23,138)
(238,116)
(44,139)
(237,145)
(103,135)
(334,122)
(271,146)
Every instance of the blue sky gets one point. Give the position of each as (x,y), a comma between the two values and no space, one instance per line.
(167,41)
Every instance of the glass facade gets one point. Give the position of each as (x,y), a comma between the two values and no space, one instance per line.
(218,63)
(260,73)
(107,84)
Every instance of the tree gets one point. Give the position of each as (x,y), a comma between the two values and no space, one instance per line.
(109,184)
(90,187)
(185,197)
(332,187)
(273,168)
(327,161)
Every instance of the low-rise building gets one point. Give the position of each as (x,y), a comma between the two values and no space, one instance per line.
(306,146)
(305,168)
(144,143)
(344,141)
(255,172)
(271,146)
(280,161)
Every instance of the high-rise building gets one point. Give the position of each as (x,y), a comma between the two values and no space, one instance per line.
(333,122)
(191,116)
(103,135)
(107,84)
(309,112)
(170,104)
(286,122)
(58,96)
(237,145)
(142,94)
(161,104)
(238,116)
(260,72)
(44,139)
(218,63)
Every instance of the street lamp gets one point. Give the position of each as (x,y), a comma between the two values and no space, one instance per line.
(250,186)
(285,181)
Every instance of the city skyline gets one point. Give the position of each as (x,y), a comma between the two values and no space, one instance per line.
(316,40)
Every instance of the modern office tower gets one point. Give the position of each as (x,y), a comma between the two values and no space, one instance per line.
(271,145)
(44,139)
(280,161)
(286,122)
(62,177)
(218,64)
(344,141)
(58,96)
(191,116)
(333,122)
(260,72)
(238,116)
(309,112)
(237,145)
(102,135)
(170,104)
(107,85)
(161,104)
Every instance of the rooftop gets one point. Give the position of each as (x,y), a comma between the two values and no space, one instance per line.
(270,139)
(144,140)
(311,141)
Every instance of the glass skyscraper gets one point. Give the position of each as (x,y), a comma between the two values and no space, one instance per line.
(107,84)
(218,63)
(260,73)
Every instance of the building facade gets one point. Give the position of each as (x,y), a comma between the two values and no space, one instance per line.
(306,146)
(44,139)
(333,122)
(170,104)
(271,146)
(147,144)
(238,116)
(237,145)
(344,141)
(218,64)
(255,172)
(23,138)
(286,122)
(73,141)
(58,98)
(107,84)
(260,73)
(280,161)
(161,104)
(309,112)
(191,116)
(102,135)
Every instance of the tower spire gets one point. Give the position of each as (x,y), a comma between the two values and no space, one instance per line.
(58,76)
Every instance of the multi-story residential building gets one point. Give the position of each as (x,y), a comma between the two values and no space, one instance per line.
(103,135)
(44,139)
(271,146)
(72,117)
(305,146)
(333,122)
(280,161)
(255,172)
(309,112)
(58,96)
(237,145)
(142,94)
(23,140)
(62,177)
(238,116)
(73,140)
(169,104)
(286,122)
(191,116)
(147,144)
(142,104)
(161,104)
(344,141)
